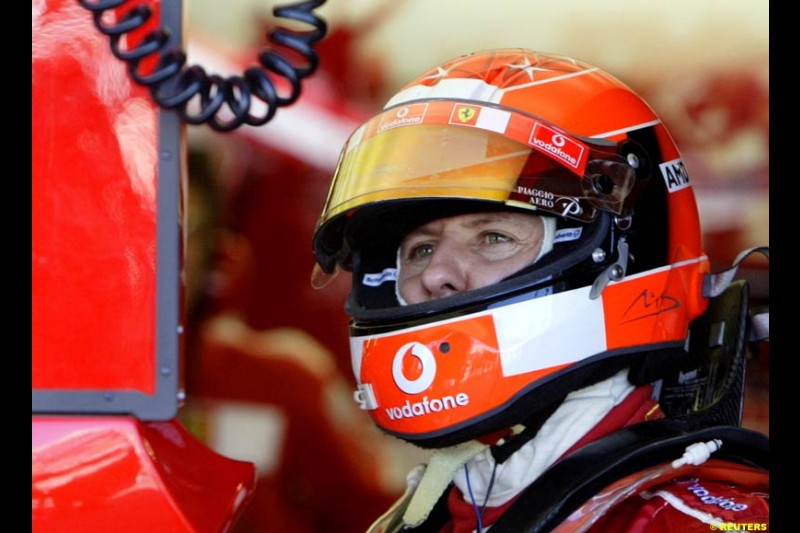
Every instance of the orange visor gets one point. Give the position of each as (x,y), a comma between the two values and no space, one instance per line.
(448,149)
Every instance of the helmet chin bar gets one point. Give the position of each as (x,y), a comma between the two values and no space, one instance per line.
(614,272)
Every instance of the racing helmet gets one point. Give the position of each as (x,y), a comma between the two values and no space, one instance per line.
(527,131)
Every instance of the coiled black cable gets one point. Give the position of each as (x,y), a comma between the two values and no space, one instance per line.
(174,86)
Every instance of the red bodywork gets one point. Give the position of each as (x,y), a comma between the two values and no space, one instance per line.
(95,473)
(108,181)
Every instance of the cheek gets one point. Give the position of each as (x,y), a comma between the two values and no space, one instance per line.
(410,289)
(483,277)
(489,273)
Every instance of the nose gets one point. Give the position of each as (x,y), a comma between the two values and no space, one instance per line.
(445,274)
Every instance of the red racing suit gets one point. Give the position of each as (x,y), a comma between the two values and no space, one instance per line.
(717,495)
(623,478)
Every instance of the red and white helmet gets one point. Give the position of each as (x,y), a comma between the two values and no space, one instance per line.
(521,130)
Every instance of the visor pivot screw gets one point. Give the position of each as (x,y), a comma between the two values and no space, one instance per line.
(603,184)
(444,347)
(633,160)
(598,255)
(624,223)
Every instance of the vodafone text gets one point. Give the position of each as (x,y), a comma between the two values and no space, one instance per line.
(425,406)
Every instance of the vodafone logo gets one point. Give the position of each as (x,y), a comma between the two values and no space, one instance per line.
(424,406)
(556,145)
(404,116)
(426,359)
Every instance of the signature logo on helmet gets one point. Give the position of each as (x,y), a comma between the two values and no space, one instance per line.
(426,359)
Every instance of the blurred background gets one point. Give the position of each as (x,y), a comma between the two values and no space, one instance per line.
(256,194)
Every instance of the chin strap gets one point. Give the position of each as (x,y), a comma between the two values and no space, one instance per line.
(426,484)
(715,284)
(436,477)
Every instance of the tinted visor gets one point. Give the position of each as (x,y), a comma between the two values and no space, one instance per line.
(456,150)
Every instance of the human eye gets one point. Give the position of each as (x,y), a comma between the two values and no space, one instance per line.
(494,245)
(493,237)
(418,252)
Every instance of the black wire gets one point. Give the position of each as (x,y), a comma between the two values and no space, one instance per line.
(173,85)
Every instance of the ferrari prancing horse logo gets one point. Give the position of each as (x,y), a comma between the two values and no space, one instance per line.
(465,114)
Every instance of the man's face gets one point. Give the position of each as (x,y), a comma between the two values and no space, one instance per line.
(466,252)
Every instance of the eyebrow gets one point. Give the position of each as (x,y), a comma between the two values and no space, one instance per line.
(489,218)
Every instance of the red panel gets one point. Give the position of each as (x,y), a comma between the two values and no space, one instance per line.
(94,191)
(96,474)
